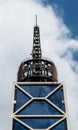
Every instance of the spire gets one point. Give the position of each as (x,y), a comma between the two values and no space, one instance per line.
(36,52)
(37,68)
(36,20)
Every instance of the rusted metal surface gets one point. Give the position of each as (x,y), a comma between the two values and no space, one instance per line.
(54,72)
(20,72)
(37,70)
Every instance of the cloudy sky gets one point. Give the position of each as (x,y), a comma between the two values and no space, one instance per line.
(58,21)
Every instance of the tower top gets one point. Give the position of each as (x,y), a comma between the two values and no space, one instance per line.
(37,69)
(36,20)
(36,52)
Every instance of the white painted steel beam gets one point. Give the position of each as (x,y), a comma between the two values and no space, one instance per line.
(63,115)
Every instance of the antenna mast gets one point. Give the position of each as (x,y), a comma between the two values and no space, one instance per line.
(36,20)
(36,52)
(37,68)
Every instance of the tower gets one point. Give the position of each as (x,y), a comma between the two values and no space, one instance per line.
(39,101)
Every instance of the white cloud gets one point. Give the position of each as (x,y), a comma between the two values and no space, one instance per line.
(16,37)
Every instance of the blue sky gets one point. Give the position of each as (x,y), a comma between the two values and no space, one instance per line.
(70,13)
(17,18)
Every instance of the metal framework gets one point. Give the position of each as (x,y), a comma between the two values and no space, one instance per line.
(37,68)
(39,100)
(16,116)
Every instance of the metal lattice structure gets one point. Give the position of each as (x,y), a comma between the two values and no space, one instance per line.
(36,52)
(37,68)
(39,100)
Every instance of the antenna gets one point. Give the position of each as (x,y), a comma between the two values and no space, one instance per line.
(36,52)
(36,20)
(37,68)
